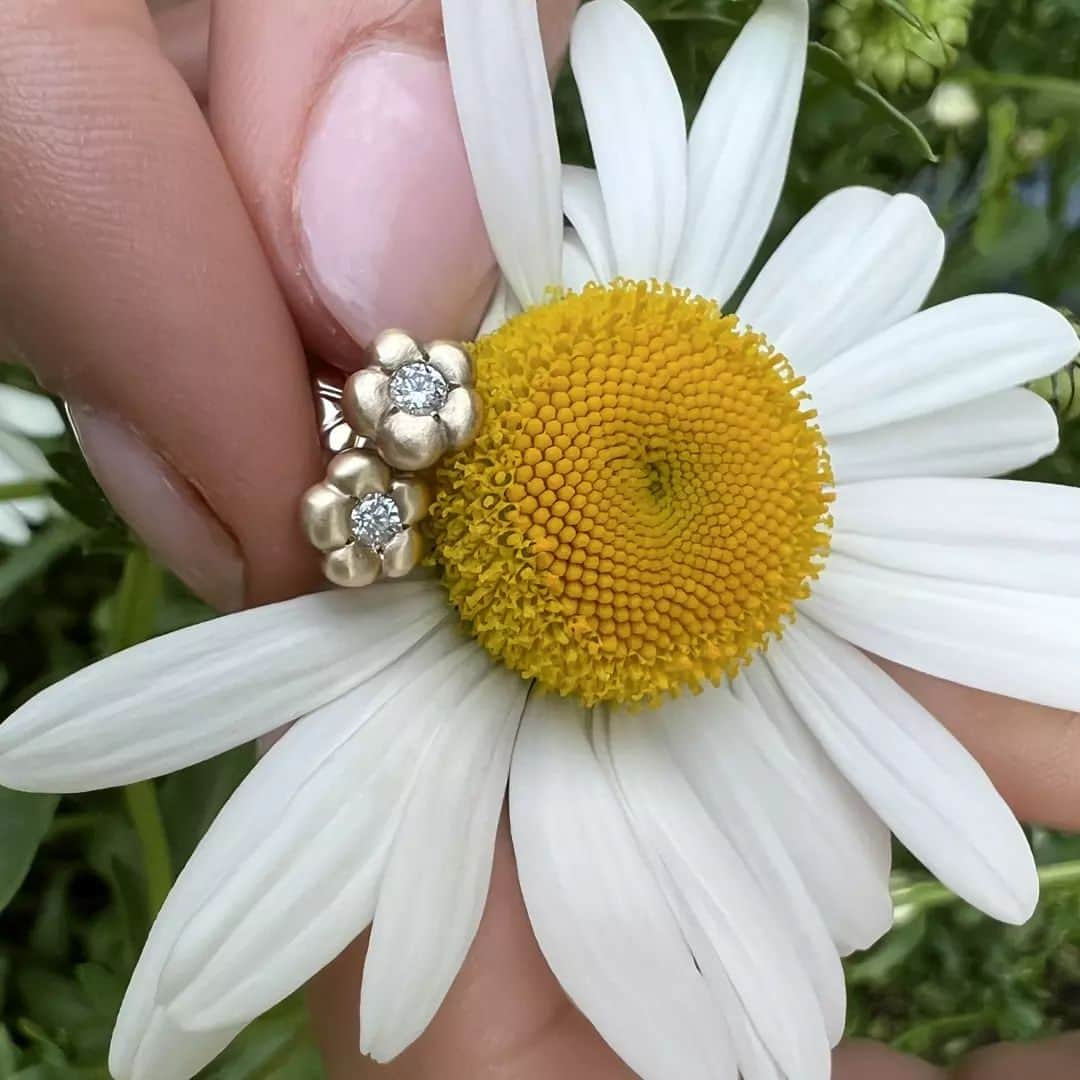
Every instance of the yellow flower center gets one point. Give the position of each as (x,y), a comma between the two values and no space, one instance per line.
(646,501)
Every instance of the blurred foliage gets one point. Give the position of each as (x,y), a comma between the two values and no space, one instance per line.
(996,154)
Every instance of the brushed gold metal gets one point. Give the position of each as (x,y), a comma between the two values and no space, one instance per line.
(352,567)
(413,498)
(403,554)
(325,516)
(378,450)
(358,473)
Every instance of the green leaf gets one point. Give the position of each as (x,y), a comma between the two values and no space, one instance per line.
(78,493)
(828,64)
(27,489)
(50,935)
(191,799)
(879,965)
(902,11)
(24,564)
(8,1054)
(277,1046)
(24,821)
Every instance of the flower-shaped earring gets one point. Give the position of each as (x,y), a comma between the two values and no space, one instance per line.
(417,403)
(362,516)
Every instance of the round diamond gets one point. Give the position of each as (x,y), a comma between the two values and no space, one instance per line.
(418,389)
(376,520)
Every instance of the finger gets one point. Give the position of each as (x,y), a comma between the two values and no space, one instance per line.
(184,31)
(339,124)
(1031,753)
(1055,1059)
(131,279)
(505,1018)
(859,1060)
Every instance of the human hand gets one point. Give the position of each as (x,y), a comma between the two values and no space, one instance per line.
(506,1016)
(164,274)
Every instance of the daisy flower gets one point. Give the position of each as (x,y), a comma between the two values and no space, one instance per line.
(24,416)
(659,564)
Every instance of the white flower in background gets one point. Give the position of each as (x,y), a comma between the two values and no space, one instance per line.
(24,416)
(647,505)
(954,105)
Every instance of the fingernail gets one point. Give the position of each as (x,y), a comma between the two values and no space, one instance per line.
(390,230)
(163,509)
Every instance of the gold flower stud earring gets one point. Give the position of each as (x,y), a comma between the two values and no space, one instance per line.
(362,518)
(416,403)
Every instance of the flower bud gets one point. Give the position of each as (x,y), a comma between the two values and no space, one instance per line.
(885,49)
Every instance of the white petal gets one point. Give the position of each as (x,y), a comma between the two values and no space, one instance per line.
(857,263)
(578,270)
(739,148)
(697,737)
(436,880)
(265,820)
(638,134)
(583,204)
(814,808)
(503,307)
(596,909)
(167,1052)
(23,460)
(748,942)
(995,532)
(1005,640)
(306,888)
(190,695)
(35,510)
(922,782)
(504,106)
(988,437)
(30,414)
(956,352)
(13,531)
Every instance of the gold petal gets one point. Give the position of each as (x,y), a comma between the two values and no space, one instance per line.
(413,498)
(460,417)
(394,349)
(358,473)
(365,400)
(411,443)
(451,361)
(352,567)
(403,554)
(325,514)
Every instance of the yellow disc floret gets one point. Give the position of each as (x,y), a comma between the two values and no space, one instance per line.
(646,501)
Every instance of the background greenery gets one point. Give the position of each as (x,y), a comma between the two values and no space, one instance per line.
(81,877)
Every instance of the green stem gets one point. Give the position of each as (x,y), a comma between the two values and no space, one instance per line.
(1007,80)
(911,899)
(27,489)
(142,804)
(134,609)
(697,17)
(66,824)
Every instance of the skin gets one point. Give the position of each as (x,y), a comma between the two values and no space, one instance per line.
(152,272)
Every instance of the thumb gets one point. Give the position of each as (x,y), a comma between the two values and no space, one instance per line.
(338,123)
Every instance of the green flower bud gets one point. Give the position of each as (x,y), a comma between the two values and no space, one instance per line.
(1062,389)
(884,48)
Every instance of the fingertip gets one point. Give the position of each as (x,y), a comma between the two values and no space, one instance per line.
(184,31)
(1053,1059)
(342,133)
(389,227)
(864,1060)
